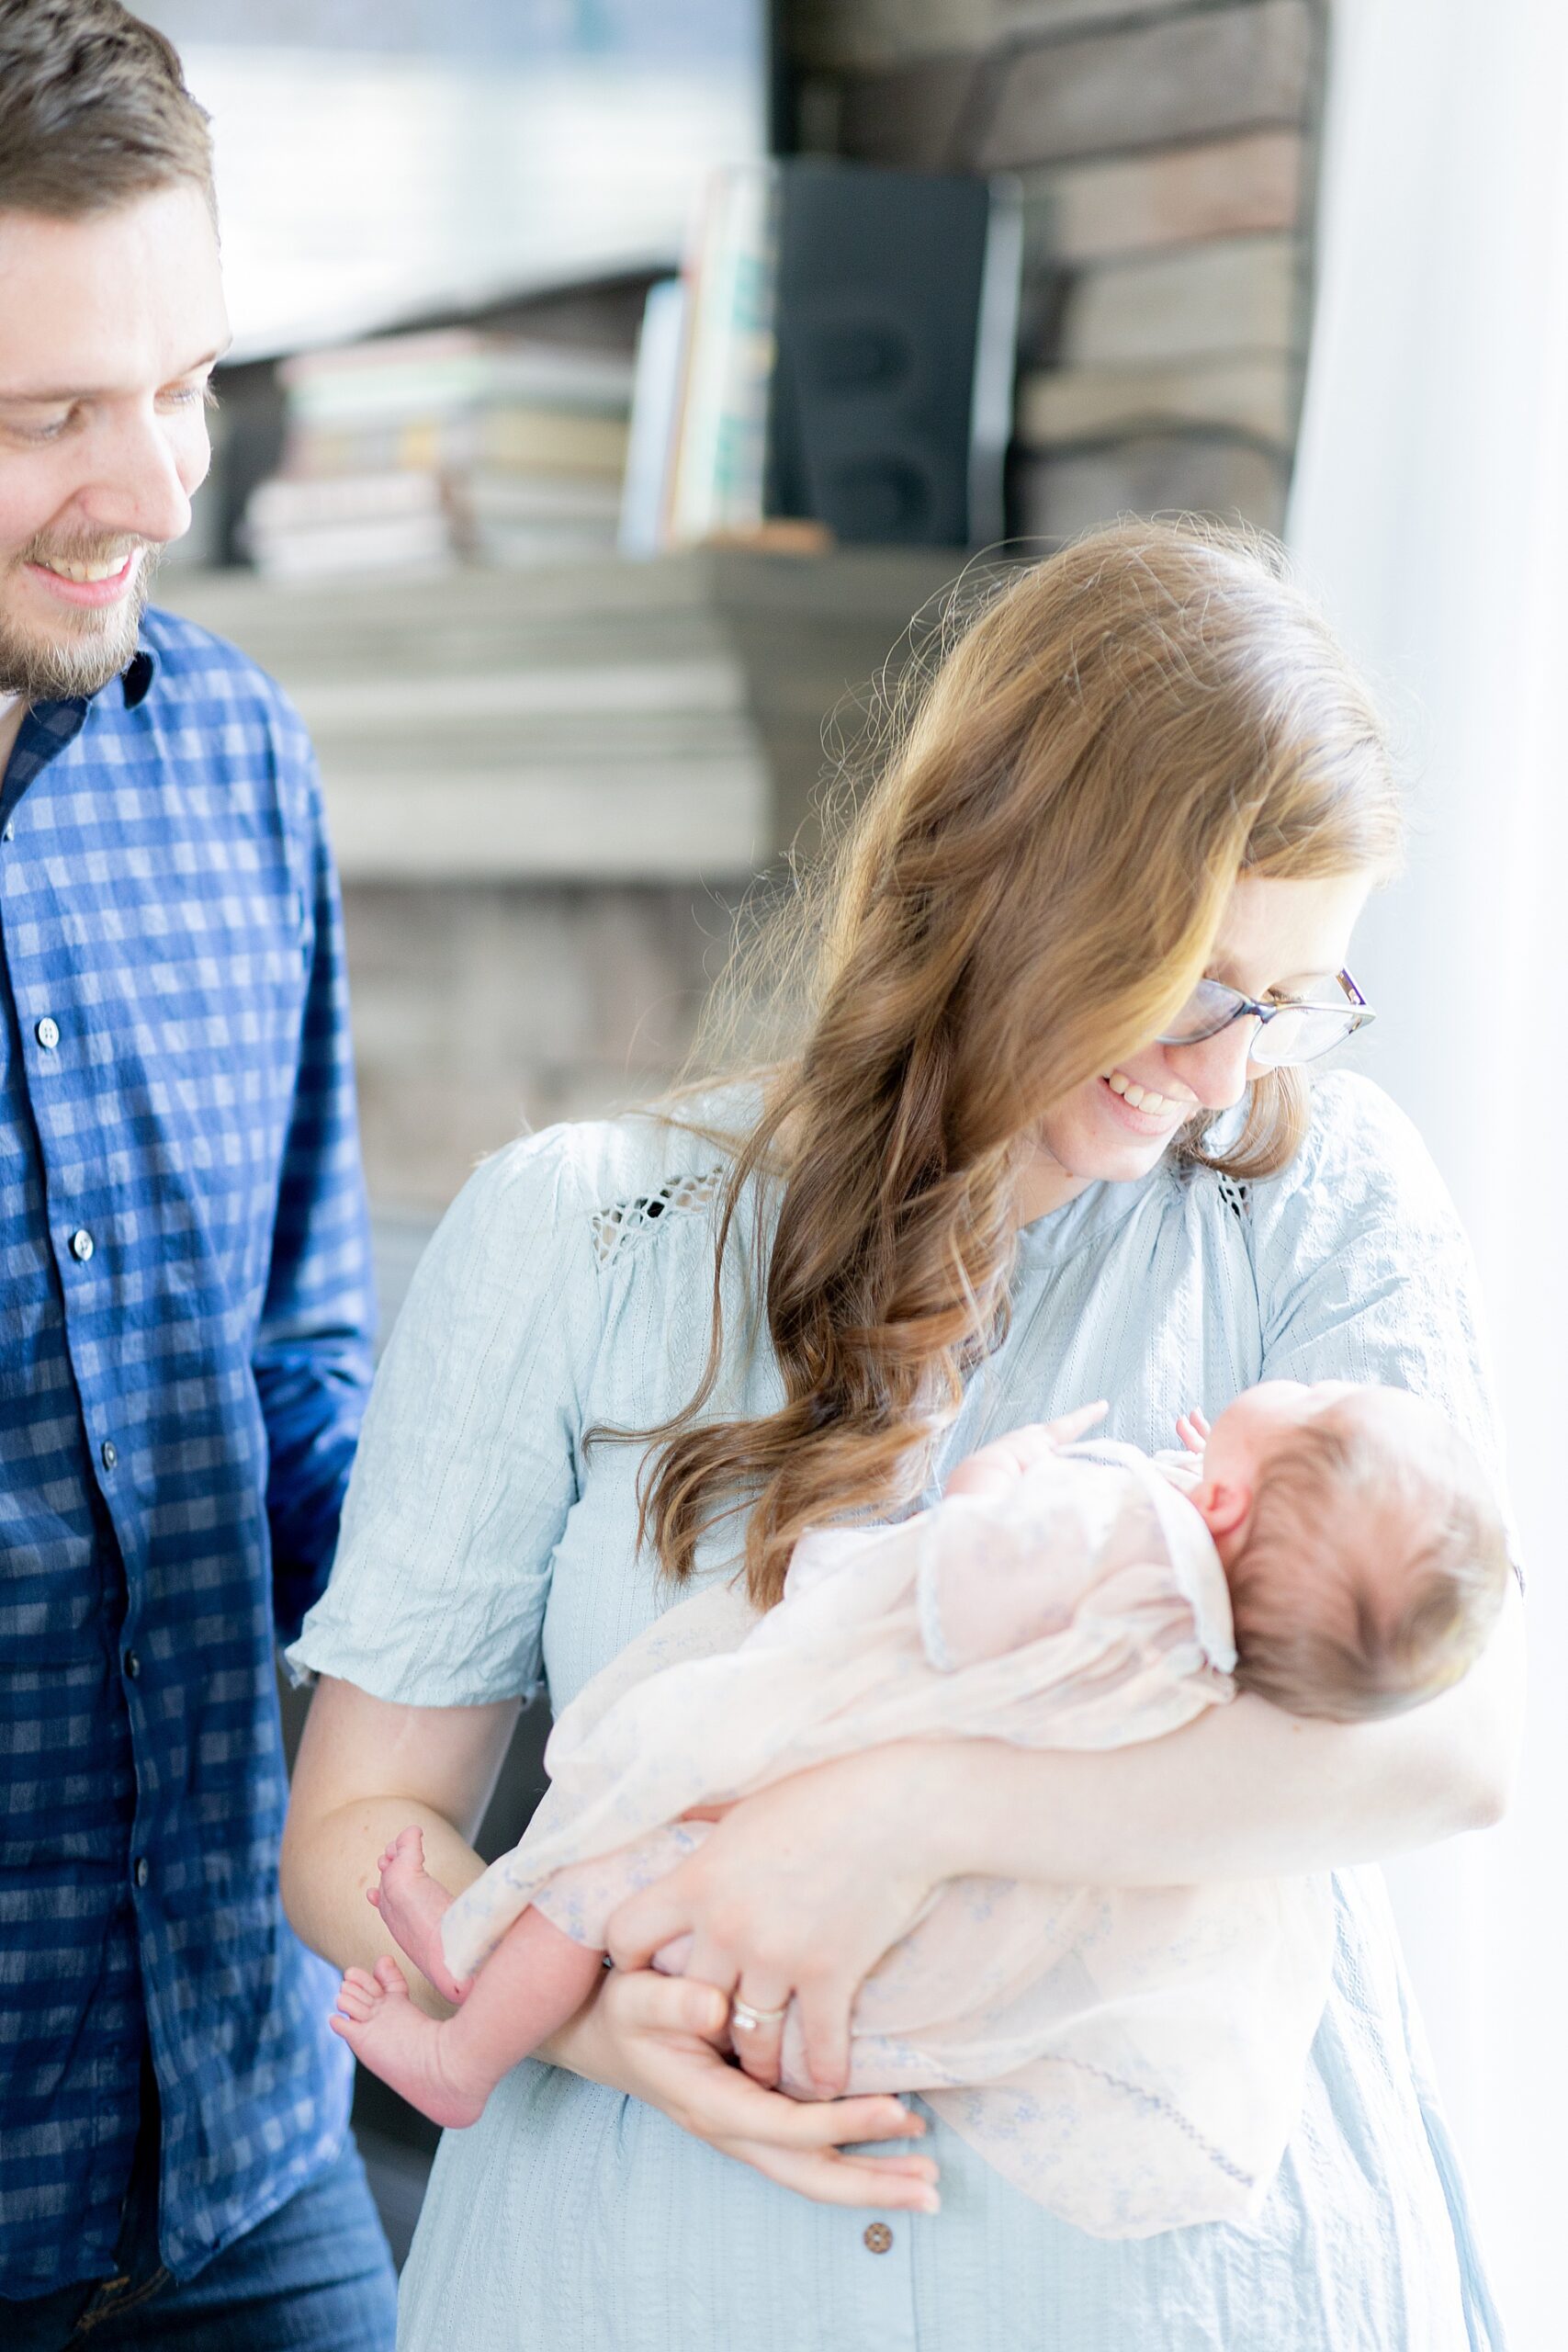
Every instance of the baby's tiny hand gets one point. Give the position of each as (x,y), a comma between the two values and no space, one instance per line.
(1001,1463)
(1192,1429)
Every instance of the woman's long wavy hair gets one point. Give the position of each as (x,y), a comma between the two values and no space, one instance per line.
(1029,890)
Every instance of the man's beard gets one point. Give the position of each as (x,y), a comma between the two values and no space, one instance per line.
(91,646)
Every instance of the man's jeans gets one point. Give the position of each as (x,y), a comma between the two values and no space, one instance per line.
(315,2277)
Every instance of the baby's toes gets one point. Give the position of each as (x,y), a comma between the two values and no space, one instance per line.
(390,1977)
(410,1845)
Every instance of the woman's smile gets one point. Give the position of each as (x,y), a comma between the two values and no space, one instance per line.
(1143,1108)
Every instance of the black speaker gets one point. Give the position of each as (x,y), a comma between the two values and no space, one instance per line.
(896,310)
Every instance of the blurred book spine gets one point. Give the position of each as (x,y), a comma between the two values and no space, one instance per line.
(412,451)
(718,447)
(656,416)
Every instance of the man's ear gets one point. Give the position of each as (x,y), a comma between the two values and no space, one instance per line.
(1222,1505)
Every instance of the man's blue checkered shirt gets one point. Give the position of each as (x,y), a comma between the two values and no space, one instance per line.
(184,1323)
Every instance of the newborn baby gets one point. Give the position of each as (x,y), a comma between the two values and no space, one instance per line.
(1131,2058)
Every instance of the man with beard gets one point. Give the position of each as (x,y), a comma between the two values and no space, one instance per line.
(184,1289)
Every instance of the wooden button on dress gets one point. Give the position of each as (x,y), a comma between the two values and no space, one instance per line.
(878,2237)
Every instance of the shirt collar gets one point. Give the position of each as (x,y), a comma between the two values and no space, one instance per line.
(49,727)
(136,678)
(1191,1551)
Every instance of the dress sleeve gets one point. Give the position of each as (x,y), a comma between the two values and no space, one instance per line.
(471,1456)
(1364,1271)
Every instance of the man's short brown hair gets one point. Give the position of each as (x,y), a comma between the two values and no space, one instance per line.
(94,110)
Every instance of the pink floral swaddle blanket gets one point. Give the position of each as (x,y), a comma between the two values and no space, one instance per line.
(1132,2058)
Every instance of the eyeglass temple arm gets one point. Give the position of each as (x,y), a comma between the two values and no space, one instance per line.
(1363,1008)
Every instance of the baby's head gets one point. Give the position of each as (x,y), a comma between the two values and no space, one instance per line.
(1365,1553)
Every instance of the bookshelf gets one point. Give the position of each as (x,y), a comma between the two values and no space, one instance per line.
(588,721)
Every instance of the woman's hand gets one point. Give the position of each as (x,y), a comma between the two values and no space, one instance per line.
(797,1892)
(657,2038)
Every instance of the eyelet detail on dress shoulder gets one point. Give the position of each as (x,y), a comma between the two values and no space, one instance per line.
(623,1223)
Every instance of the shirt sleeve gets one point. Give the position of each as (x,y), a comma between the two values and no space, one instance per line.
(470,1457)
(312,1356)
(1364,1271)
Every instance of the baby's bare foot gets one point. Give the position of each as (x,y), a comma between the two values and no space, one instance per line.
(413,1906)
(386,2033)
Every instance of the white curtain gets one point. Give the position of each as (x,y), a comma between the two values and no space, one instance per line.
(1430,509)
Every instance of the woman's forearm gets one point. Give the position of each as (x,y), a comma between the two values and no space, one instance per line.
(367,1767)
(1245,1791)
(326,1873)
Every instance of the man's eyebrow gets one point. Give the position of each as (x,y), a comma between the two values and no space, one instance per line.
(53,398)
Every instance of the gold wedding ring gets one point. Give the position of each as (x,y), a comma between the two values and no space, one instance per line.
(744,2018)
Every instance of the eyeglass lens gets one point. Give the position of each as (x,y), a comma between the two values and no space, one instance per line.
(1300,1036)
(1294,1035)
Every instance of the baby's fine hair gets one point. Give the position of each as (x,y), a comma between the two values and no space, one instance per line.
(1373,1569)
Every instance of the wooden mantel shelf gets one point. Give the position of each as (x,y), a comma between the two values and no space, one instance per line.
(596,720)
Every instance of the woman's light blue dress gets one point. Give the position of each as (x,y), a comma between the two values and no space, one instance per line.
(483,1545)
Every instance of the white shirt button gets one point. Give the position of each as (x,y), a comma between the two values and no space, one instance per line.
(48,1034)
(82,1244)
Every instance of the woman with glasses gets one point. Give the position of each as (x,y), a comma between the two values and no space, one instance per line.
(1043,1134)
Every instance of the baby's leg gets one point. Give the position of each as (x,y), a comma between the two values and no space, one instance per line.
(413,1905)
(534,1980)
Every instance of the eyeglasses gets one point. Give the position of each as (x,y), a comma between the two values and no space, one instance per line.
(1290,1029)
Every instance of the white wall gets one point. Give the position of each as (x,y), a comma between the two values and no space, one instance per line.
(1431,508)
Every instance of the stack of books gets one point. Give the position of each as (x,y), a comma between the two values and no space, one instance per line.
(408,452)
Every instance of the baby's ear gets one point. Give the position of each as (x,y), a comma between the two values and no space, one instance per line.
(1222,1505)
